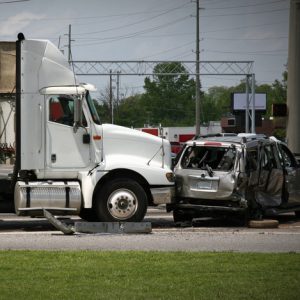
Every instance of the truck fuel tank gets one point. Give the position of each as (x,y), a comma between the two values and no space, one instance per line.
(56,196)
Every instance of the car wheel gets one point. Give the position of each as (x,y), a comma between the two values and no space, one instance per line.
(121,200)
(297,213)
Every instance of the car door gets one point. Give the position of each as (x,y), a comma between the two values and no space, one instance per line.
(270,180)
(65,147)
(292,171)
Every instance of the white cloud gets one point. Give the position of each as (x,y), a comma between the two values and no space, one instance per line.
(17,23)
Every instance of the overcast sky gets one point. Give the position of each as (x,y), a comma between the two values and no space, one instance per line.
(158,30)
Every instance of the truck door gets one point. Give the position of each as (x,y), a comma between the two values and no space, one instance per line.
(64,147)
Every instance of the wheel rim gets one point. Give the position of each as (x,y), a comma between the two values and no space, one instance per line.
(122,204)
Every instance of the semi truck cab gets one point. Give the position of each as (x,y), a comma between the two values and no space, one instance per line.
(67,161)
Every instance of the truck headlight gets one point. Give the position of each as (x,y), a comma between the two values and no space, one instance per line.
(170,176)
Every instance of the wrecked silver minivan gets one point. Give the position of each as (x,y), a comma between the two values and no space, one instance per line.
(246,173)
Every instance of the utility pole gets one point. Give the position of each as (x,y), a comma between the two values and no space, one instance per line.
(118,90)
(69,44)
(111,98)
(197,133)
(58,46)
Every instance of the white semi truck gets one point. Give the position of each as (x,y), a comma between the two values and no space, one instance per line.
(66,160)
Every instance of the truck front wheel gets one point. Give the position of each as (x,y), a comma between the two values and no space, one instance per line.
(121,200)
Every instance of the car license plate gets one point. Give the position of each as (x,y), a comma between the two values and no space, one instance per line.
(202,185)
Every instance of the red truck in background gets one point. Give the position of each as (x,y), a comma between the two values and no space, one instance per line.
(177,136)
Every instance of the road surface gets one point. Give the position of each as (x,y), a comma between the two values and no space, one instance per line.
(205,235)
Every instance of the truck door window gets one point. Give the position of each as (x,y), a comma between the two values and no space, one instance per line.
(61,110)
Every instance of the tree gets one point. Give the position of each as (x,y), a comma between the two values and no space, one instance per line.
(216,103)
(131,112)
(103,106)
(169,99)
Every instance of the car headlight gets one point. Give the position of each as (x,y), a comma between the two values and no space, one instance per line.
(170,176)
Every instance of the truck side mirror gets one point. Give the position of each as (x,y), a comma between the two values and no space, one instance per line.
(77,113)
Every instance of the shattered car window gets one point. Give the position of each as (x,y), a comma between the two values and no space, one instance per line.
(217,158)
(286,157)
(252,159)
(268,159)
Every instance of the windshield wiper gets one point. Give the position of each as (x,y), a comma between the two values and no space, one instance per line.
(209,170)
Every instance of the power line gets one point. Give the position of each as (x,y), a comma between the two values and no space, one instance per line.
(180,55)
(207,31)
(114,39)
(242,27)
(140,33)
(184,34)
(134,23)
(12,1)
(167,50)
(242,6)
(270,52)
(244,14)
(246,39)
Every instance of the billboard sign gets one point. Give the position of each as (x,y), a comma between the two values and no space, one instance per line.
(239,101)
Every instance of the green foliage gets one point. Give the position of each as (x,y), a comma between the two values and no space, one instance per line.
(170,100)
(131,112)
(148,275)
(216,103)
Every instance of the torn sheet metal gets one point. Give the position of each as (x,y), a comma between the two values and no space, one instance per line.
(99,227)
(66,229)
(113,227)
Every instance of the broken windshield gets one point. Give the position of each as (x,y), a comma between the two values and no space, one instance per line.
(216,158)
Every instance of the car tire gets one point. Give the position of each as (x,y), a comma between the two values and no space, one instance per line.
(263,224)
(297,213)
(121,200)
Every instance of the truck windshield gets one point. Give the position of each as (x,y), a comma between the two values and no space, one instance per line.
(92,108)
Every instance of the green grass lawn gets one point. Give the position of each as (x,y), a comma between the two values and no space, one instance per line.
(148,275)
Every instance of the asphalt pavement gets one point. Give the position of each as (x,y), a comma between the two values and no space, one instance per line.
(206,235)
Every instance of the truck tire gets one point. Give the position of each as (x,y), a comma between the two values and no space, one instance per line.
(121,199)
